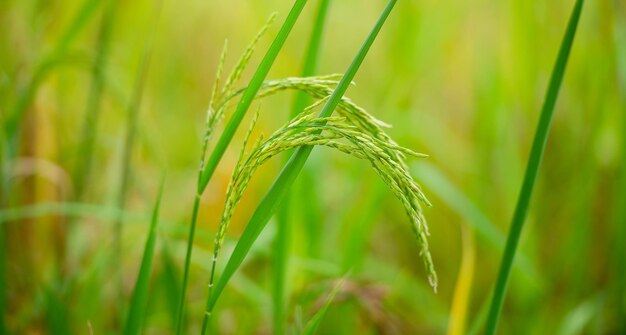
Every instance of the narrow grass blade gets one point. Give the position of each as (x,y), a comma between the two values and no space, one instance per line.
(56,313)
(139,300)
(170,283)
(132,114)
(283,233)
(314,323)
(88,135)
(536,154)
(250,93)
(289,173)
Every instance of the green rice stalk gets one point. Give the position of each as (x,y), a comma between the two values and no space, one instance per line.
(291,170)
(233,192)
(214,114)
(139,300)
(536,154)
(196,202)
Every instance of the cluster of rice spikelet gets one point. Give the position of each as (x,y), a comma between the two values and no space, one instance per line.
(353,131)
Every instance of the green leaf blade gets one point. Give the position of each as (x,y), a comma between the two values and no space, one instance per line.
(139,300)
(532,169)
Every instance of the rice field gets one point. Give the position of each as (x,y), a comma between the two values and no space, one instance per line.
(312,167)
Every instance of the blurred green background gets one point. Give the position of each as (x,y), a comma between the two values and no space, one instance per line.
(460,81)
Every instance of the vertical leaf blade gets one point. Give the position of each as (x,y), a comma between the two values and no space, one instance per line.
(532,168)
(139,300)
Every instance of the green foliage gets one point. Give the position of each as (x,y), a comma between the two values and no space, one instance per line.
(86,133)
(139,301)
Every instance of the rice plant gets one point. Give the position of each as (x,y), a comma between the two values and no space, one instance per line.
(313,218)
(346,134)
